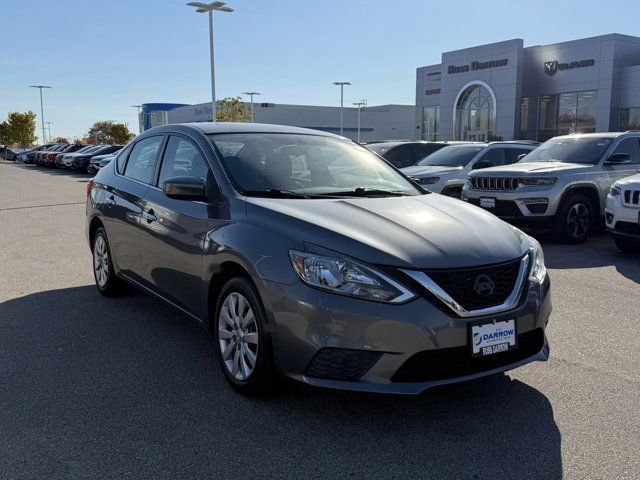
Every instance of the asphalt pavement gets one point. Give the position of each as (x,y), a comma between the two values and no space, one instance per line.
(128,388)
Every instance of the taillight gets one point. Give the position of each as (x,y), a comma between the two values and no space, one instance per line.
(89,187)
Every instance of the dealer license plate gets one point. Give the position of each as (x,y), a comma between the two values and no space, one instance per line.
(487,202)
(493,337)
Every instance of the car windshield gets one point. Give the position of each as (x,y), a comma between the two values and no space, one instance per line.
(294,165)
(452,156)
(570,150)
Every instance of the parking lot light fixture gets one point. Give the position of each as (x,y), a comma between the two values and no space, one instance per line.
(362,103)
(341,85)
(139,119)
(210,8)
(251,94)
(40,87)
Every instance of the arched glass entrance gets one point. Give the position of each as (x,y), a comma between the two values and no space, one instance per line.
(475,113)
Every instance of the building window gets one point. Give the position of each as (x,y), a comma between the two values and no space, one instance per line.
(524,118)
(565,113)
(475,114)
(431,123)
(630,118)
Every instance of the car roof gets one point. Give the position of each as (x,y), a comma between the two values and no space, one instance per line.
(237,127)
(594,135)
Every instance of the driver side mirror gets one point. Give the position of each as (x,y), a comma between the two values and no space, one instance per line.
(521,156)
(185,188)
(481,164)
(618,159)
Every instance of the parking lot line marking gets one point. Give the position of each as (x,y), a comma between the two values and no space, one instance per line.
(41,206)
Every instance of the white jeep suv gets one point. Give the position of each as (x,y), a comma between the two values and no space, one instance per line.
(562,185)
(445,171)
(622,213)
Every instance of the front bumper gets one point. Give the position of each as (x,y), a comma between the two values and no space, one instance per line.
(622,220)
(525,205)
(306,321)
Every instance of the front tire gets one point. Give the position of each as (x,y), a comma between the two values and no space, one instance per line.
(242,344)
(575,219)
(107,282)
(627,245)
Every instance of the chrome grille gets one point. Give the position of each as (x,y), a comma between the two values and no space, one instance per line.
(494,183)
(631,197)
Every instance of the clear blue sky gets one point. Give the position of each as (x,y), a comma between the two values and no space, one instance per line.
(101,57)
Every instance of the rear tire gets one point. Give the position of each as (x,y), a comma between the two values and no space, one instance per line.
(627,245)
(107,282)
(242,343)
(574,219)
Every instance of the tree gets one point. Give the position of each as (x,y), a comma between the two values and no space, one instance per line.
(22,128)
(232,110)
(99,131)
(60,140)
(5,134)
(120,133)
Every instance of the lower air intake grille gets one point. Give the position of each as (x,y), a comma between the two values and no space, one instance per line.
(341,364)
(445,363)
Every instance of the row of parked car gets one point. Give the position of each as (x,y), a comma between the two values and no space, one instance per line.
(83,158)
(570,185)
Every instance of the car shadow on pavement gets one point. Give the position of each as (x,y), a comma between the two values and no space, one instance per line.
(598,251)
(126,387)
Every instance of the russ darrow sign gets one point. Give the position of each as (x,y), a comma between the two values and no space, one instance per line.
(478,66)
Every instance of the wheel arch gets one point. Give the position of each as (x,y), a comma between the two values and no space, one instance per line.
(588,190)
(94,225)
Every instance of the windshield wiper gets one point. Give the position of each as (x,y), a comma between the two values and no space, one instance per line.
(369,192)
(277,193)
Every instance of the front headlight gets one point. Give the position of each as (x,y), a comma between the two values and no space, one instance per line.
(538,268)
(538,181)
(615,191)
(429,180)
(346,277)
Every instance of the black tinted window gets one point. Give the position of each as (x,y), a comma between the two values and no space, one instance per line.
(492,158)
(421,150)
(399,156)
(513,154)
(182,159)
(630,147)
(142,160)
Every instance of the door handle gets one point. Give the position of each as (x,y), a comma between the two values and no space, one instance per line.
(110,201)
(149,216)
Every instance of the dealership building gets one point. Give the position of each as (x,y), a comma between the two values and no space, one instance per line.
(376,122)
(514,92)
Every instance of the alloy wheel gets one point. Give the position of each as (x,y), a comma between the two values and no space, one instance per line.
(238,336)
(578,220)
(101,261)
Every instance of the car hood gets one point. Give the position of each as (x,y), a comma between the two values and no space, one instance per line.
(532,168)
(426,231)
(632,181)
(424,171)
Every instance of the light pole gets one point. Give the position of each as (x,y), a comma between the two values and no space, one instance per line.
(341,85)
(49,128)
(360,104)
(40,87)
(209,8)
(139,120)
(251,94)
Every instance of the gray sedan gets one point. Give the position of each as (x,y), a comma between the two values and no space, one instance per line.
(310,257)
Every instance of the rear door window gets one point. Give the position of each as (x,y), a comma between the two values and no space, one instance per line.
(143,158)
(399,156)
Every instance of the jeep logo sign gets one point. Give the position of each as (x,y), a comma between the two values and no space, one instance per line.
(550,68)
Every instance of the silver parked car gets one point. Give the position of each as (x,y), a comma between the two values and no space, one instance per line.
(309,256)
(446,170)
(562,185)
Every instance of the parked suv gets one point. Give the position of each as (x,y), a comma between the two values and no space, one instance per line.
(445,171)
(622,213)
(307,254)
(561,185)
(404,153)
